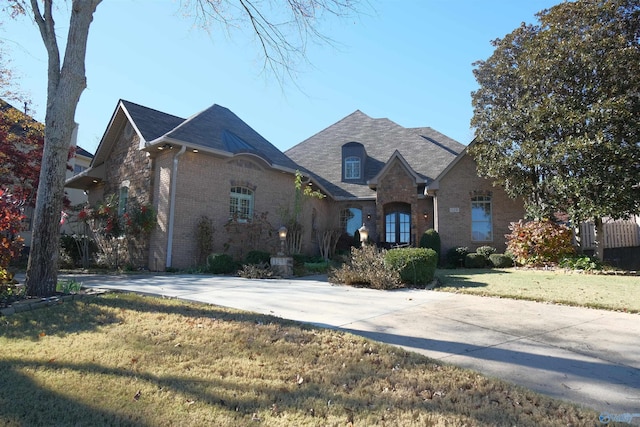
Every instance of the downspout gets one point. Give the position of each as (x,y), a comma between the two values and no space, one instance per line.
(172,205)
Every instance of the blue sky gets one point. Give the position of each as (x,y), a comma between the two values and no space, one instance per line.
(409,61)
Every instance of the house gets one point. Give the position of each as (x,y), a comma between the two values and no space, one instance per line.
(400,181)
(81,158)
(396,181)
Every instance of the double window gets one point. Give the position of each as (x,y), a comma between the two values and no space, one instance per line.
(481,219)
(352,168)
(241,204)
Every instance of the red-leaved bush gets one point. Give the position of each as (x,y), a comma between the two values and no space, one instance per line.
(539,242)
(10,222)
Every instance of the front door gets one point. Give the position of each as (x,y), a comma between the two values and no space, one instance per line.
(398,224)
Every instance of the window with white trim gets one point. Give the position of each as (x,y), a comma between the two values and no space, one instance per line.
(241,204)
(481,219)
(352,167)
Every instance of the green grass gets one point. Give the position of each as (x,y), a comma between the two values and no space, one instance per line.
(607,292)
(122,359)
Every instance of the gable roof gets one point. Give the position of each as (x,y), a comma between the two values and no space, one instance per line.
(215,130)
(426,151)
(219,130)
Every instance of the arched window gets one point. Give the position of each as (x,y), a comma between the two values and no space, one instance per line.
(350,220)
(241,204)
(481,219)
(397,223)
(352,168)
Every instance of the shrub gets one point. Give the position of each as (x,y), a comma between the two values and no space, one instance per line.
(455,256)
(257,257)
(486,251)
(500,260)
(475,260)
(221,264)
(366,267)
(257,271)
(431,239)
(539,242)
(581,262)
(417,266)
(317,267)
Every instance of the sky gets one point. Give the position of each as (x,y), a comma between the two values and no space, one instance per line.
(409,61)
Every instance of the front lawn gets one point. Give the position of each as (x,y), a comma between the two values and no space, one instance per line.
(608,292)
(123,359)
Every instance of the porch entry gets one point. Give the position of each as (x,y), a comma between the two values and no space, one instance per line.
(397,223)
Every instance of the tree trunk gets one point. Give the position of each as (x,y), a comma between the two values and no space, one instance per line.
(65,85)
(599,238)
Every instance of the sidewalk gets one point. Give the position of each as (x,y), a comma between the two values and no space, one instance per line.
(590,357)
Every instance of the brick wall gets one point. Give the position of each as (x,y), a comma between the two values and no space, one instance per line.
(398,186)
(203,189)
(453,207)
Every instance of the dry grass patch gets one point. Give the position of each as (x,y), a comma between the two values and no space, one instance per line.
(123,359)
(607,292)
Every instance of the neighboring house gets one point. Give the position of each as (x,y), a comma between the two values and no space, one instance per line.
(400,182)
(397,181)
(79,161)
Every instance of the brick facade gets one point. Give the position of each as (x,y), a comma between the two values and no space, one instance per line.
(203,190)
(453,207)
(399,186)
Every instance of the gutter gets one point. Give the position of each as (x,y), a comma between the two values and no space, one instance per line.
(172,205)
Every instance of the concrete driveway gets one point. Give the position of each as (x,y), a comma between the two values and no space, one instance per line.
(590,357)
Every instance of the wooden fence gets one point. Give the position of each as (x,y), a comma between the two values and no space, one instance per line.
(617,234)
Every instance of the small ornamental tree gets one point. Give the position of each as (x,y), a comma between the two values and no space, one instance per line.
(539,242)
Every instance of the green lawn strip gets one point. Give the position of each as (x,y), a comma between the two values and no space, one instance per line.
(610,292)
(123,359)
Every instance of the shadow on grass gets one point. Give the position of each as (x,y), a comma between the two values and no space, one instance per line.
(459,278)
(50,407)
(311,397)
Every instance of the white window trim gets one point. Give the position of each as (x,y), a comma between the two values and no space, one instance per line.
(348,172)
(484,200)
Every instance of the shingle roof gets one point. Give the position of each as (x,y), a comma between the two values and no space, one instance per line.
(217,128)
(151,123)
(427,151)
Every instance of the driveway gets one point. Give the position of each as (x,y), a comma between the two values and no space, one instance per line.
(590,357)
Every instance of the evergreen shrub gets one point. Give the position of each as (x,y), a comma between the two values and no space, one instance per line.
(500,260)
(221,264)
(431,239)
(475,260)
(417,266)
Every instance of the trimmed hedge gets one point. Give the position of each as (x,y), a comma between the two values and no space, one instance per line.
(221,264)
(417,266)
(455,256)
(431,239)
(257,257)
(475,260)
(500,260)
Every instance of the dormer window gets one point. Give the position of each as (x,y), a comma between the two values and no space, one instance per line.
(352,168)
(354,158)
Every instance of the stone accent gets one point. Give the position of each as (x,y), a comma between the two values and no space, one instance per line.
(282,265)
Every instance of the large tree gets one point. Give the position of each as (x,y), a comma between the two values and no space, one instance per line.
(557,113)
(282,30)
